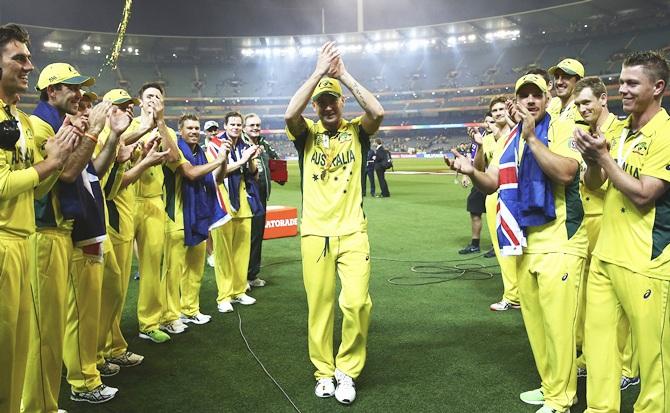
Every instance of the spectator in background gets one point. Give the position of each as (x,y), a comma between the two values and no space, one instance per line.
(382,160)
(369,173)
(211,129)
(252,129)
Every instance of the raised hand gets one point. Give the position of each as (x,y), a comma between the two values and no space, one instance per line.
(475,135)
(159,109)
(125,152)
(592,147)
(147,119)
(250,152)
(61,146)
(327,55)
(119,120)
(528,130)
(98,116)
(336,69)
(150,144)
(511,111)
(460,163)
(154,156)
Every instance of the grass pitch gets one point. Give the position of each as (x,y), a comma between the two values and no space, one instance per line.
(432,348)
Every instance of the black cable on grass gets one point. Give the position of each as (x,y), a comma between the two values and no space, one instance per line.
(433,272)
(260,363)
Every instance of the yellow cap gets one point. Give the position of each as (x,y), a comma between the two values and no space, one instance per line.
(536,80)
(327,85)
(90,94)
(569,66)
(119,96)
(56,73)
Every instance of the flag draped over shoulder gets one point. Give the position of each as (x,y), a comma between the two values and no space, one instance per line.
(525,193)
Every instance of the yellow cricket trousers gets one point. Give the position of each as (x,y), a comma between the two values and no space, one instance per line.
(507,263)
(49,284)
(232,246)
(83,316)
(150,237)
(549,287)
(123,252)
(615,293)
(630,366)
(111,300)
(15,318)
(323,258)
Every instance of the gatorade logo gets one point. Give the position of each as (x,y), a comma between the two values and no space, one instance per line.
(279,223)
(565,276)
(647,294)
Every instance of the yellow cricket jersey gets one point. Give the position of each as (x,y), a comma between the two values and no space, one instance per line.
(110,182)
(488,146)
(638,239)
(150,183)
(565,233)
(174,200)
(245,207)
(592,199)
(47,209)
(555,109)
(18,179)
(120,202)
(331,167)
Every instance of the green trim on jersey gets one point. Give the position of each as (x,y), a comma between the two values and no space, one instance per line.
(574,209)
(170,195)
(661,230)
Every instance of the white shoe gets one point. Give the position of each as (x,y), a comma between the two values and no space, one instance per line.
(210,260)
(257,282)
(197,318)
(62,411)
(345,392)
(503,305)
(173,327)
(325,387)
(100,394)
(244,299)
(225,307)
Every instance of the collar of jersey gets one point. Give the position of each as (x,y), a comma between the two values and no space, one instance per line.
(654,125)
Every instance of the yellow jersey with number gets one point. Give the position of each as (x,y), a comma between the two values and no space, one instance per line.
(331,167)
(631,237)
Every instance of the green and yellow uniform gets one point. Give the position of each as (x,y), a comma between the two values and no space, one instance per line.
(232,241)
(50,290)
(121,232)
(183,265)
(149,223)
(549,273)
(18,181)
(630,276)
(492,149)
(335,241)
(593,210)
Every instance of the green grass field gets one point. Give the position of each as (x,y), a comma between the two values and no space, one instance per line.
(432,348)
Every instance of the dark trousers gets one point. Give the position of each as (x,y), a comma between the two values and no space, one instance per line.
(382,181)
(370,174)
(257,229)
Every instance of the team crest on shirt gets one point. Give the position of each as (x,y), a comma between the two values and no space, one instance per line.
(640,148)
(572,144)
